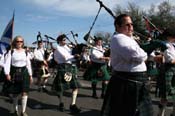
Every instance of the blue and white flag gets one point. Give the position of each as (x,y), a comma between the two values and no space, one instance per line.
(7,36)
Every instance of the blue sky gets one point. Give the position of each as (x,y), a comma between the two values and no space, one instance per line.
(53,17)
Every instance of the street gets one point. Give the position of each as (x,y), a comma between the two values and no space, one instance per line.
(46,104)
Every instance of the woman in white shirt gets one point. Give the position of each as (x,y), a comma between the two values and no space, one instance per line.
(18,72)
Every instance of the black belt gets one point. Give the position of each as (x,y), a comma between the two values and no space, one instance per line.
(137,77)
(129,73)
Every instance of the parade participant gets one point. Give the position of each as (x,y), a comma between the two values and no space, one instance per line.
(65,78)
(128,84)
(18,72)
(167,84)
(42,72)
(98,69)
(85,58)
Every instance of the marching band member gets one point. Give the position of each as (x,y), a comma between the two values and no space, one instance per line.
(65,78)
(42,72)
(128,84)
(167,87)
(98,69)
(18,72)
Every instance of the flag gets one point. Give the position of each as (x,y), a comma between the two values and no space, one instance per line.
(147,25)
(7,36)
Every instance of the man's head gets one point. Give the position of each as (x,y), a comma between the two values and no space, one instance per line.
(40,43)
(61,39)
(98,40)
(123,24)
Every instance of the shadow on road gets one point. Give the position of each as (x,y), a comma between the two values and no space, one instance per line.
(34,104)
(88,113)
(4,112)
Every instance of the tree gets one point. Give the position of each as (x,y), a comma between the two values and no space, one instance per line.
(162,18)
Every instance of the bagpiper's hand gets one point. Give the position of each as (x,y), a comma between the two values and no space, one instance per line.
(31,79)
(107,58)
(8,77)
(77,56)
(45,62)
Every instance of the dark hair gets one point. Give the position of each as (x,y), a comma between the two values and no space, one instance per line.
(61,37)
(97,38)
(119,19)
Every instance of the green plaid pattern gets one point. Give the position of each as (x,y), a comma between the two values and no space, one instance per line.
(121,91)
(18,87)
(59,84)
(91,73)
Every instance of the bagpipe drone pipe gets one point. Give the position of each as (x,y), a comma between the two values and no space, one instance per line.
(149,46)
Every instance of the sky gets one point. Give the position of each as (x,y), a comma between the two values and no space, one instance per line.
(53,17)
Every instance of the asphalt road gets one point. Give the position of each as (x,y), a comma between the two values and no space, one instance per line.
(46,104)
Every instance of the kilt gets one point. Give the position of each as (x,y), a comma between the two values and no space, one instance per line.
(128,95)
(60,84)
(17,86)
(167,84)
(37,68)
(152,69)
(96,72)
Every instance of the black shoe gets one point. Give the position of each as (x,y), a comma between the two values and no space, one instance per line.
(44,90)
(102,96)
(61,107)
(74,109)
(95,96)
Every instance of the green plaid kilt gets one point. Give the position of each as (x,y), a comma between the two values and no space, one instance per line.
(127,95)
(167,84)
(18,84)
(36,67)
(96,72)
(152,69)
(59,83)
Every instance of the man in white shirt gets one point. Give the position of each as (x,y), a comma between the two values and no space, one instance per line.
(42,72)
(127,84)
(65,78)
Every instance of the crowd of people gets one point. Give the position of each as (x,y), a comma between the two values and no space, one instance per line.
(124,74)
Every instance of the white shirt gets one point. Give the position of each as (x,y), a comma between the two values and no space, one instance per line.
(63,54)
(169,54)
(126,54)
(17,59)
(96,53)
(39,54)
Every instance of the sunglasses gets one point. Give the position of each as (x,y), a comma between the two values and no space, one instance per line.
(129,24)
(19,41)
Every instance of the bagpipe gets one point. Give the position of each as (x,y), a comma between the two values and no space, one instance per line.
(156,41)
(46,42)
(148,46)
(88,38)
(76,47)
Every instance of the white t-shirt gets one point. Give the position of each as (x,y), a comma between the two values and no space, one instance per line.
(126,54)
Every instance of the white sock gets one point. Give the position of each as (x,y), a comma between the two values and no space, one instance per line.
(15,103)
(74,96)
(162,111)
(24,103)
